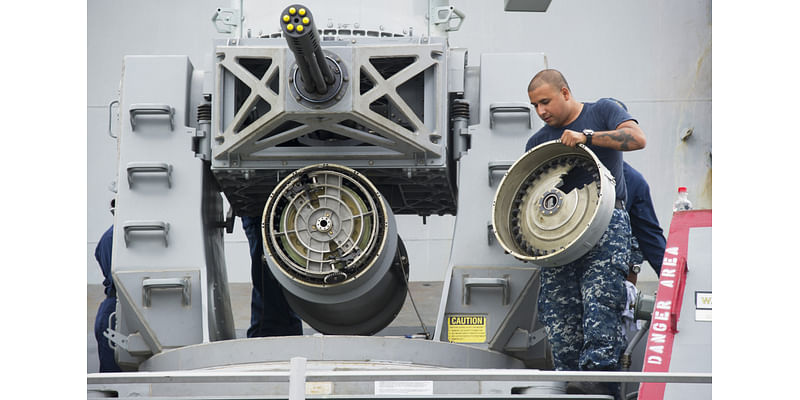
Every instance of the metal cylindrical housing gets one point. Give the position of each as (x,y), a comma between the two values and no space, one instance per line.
(301,35)
(331,241)
(553,204)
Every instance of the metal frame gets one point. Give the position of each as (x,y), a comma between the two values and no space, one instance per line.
(297,376)
(259,139)
(492,374)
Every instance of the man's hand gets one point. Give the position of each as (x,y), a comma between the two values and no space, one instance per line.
(572,138)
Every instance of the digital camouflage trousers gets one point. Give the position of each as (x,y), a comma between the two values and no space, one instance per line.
(581,303)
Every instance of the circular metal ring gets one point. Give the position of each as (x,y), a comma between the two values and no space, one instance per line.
(553,204)
(323,221)
(317,98)
(331,242)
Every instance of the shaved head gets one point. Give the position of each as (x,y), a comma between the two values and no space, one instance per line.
(552,98)
(551,77)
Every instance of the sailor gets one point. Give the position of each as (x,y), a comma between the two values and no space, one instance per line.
(101,322)
(581,303)
(647,240)
(648,237)
(270,314)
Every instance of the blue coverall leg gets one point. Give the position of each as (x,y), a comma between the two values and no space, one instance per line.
(104,351)
(270,314)
(102,253)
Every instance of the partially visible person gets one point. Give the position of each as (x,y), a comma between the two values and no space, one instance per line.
(649,242)
(102,254)
(270,314)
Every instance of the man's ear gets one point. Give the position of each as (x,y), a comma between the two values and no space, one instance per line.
(565,92)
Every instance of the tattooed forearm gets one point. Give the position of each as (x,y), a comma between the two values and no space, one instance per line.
(623,136)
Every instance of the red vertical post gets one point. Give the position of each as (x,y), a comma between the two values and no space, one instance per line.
(667,309)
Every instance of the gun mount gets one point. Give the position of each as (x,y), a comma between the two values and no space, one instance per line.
(327,134)
(377,104)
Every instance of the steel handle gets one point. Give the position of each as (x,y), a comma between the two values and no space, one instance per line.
(497,166)
(134,168)
(497,108)
(130,227)
(470,283)
(149,284)
(151,109)
(111,107)
(677,293)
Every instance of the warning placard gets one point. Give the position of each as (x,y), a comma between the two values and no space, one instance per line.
(466,328)
(702,302)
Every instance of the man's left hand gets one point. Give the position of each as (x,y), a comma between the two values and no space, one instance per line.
(572,138)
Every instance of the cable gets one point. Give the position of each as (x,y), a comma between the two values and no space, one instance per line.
(413,304)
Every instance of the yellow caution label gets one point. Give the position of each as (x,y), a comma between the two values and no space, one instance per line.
(466,328)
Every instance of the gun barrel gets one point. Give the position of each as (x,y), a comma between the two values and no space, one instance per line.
(302,37)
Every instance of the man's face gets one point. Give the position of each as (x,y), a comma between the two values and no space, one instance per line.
(551,104)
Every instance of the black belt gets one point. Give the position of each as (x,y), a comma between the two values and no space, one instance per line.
(619,204)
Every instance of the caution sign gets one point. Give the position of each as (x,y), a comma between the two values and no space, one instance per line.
(466,328)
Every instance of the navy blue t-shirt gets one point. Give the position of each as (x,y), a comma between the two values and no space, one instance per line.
(604,115)
(102,253)
(644,223)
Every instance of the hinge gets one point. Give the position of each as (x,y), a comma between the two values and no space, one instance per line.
(226,19)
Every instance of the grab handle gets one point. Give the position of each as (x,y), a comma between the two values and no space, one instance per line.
(498,108)
(134,168)
(129,227)
(151,284)
(151,109)
(470,283)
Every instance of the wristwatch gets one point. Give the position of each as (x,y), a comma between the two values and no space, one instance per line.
(588,133)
